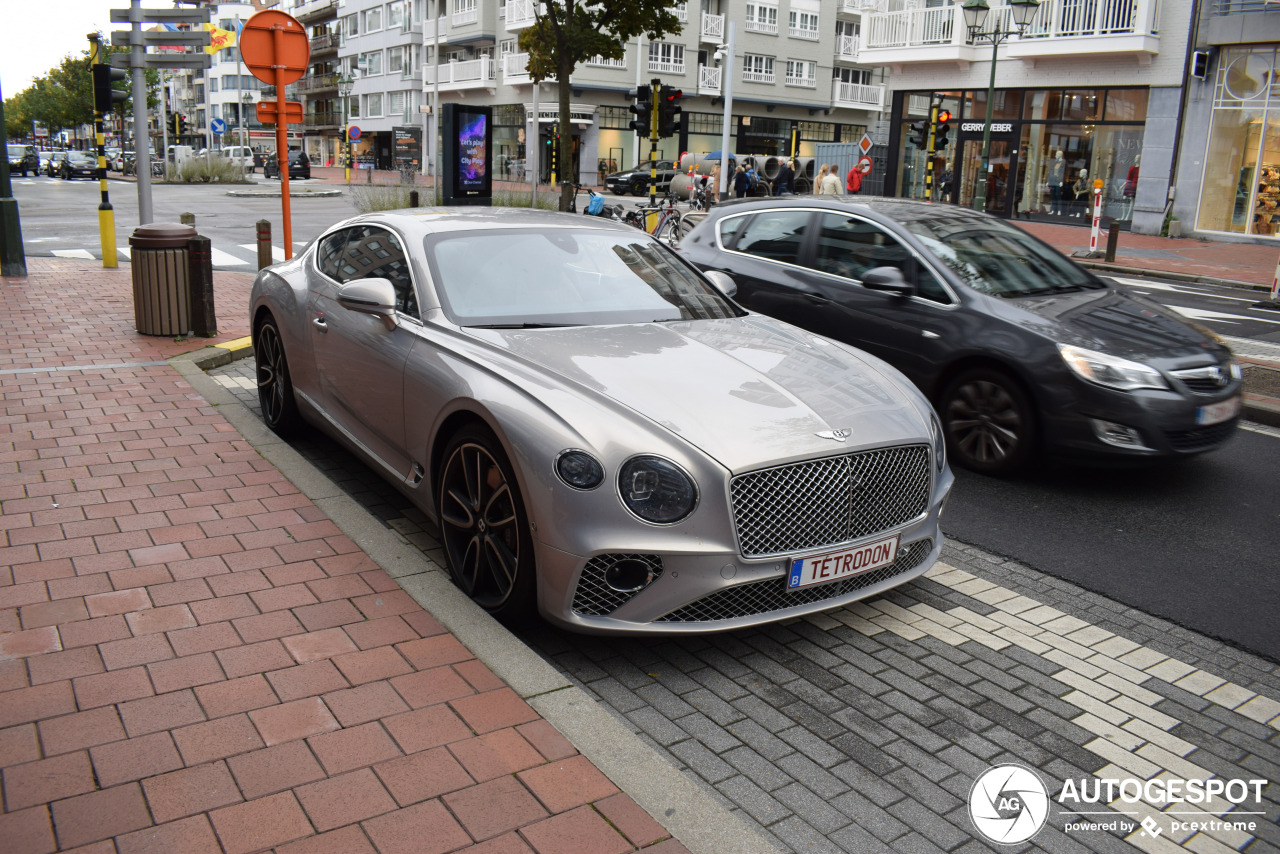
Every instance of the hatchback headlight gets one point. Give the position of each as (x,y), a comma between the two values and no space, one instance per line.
(656,489)
(1110,371)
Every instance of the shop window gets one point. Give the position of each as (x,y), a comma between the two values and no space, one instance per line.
(1042,105)
(1082,106)
(1126,105)
(1005,106)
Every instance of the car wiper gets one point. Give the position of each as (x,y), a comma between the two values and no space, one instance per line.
(521,325)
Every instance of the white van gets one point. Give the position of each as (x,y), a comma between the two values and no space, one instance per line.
(241,154)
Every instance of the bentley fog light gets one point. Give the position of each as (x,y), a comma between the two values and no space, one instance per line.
(579,469)
(1110,371)
(939,443)
(656,489)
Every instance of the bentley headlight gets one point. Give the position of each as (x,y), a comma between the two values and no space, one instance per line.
(579,469)
(1110,371)
(939,443)
(657,490)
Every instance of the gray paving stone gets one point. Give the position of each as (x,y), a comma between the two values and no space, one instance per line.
(1008,719)
(713,707)
(815,645)
(855,721)
(616,694)
(956,734)
(675,681)
(1035,677)
(820,677)
(729,644)
(626,673)
(870,816)
(754,801)
(856,840)
(821,725)
(953,671)
(1028,752)
(911,708)
(928,824)
(658,726)
(799,835)
(709,767)
(852,675)
(682,654)
(1048,702)
(1192,718)
(816,697)
(943,650)
(773,694)
(813,809)
(665,702)
(864,702)
(1064,728)
(857,748)
(723,663)
(715,681)
(760,739)
(915,758)
(902,665)
(1004,678)
(950,709)
(1005,698)
(902,645)
(925,738)
(580,667)
(916,786)
(954,691)
(715,737)
(1238,721)
(858,657)
(819,750)
(813,776)
(1068,750)
(759,770)
(763,713)
(913,688)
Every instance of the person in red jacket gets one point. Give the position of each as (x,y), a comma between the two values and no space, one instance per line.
(853,183)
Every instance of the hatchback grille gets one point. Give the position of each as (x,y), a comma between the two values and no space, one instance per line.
(761,597)
(1207,380)
(829,500)
(1201,438)
(594,597)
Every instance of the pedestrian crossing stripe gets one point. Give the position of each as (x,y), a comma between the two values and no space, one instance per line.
(73,253)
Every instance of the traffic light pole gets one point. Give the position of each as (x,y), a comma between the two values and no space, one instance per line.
(655,117)
(106,214)
(928,155)
(141,140)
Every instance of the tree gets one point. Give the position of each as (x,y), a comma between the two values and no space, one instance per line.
(566,33)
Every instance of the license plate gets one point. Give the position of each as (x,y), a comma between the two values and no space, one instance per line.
(1216,413)
(837,566)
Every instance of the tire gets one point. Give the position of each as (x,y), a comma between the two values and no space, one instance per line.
(672,230)
(484,529)
(640,188)
(275,386)
(988,421)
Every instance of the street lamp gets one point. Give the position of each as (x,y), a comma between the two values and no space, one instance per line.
(246,101)
(975,19)
(346,83)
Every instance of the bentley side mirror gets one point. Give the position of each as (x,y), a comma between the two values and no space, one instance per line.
(887,279)
(371,296)
(723,281)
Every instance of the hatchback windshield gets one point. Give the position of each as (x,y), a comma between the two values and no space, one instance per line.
(16,151)
(81,157)
(995,258)
(522,278)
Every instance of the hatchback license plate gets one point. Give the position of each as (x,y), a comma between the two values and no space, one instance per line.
(837,566)
(1216,413)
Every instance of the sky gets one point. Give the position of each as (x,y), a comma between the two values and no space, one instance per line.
(37,35)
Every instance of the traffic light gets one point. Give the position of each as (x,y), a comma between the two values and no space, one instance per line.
(643,109)
(182,125)
(105,97)
(919,133)
(942,131)
(669,110)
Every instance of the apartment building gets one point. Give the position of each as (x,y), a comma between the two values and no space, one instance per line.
(1228,162)
(1092,90)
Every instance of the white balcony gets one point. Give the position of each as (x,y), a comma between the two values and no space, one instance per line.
(801,33)
(858,7)
(515,70)
(469,74)
(666,66)
(858,96)
(847,48)
(712,28)
(1060,28)
(598,61)
(708,80)
(758,77)
(804,82)
(521,13)
(681,11)
(767,27)
(465,16)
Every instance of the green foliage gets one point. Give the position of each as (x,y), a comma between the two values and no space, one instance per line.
(216,170)
(568,32)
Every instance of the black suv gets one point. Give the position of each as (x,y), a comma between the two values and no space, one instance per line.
(636,181)
(299,166)
(23,159)
(1018,347)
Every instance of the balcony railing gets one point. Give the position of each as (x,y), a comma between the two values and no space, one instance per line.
(1058,18)
(1236,7)
(322,118)
(521,13)
(708,80)
(600,62)
(712,28)
(318,9)
(754,26)
(462,17)
(802,33)
(856,7)
(666,66)
(317,82)
(757,77)
(470,73)
(806,82)
(857,95)
(847,47)
(515,68)
(681,11)
(328,41)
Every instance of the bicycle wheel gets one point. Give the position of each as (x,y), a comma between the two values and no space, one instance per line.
(670,231)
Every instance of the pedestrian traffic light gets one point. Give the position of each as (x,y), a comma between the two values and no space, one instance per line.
(643,109)
(105,97)
(919,133)
(669,110)
(182,125)
(942,131)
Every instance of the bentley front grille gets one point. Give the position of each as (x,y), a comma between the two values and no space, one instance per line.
(761,597)
(594,597)
(829,500)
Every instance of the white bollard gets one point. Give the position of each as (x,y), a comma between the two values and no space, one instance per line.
(1097,217)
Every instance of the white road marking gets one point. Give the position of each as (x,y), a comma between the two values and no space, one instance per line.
(73,253)
(1217,316)
(1137,284)
(225,259)
(277,253)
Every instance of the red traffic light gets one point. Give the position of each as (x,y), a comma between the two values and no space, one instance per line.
(673,94)
(944,116)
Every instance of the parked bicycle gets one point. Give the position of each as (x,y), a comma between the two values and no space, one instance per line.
(669,224)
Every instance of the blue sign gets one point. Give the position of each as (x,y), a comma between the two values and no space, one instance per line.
(353,133)
(218,126)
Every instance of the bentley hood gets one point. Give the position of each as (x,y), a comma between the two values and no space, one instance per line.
(746,391)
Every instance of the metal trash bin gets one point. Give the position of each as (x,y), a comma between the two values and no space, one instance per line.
(161,286)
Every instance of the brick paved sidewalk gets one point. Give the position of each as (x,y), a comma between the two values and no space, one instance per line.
(192,656)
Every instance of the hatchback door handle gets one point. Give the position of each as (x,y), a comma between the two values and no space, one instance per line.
(319,322)
(818,298)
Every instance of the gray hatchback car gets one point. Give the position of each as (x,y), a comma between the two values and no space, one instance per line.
(1019,348)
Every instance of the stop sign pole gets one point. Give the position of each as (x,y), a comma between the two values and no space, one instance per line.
(275,48)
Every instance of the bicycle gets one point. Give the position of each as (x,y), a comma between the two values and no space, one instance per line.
(670,226)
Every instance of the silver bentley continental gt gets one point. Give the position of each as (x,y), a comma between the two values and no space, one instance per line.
(599,431)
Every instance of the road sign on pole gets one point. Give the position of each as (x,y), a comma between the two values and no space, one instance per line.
(218,126)
(276,50)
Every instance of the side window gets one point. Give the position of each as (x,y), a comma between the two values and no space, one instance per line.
(375,253)
(775,234)
(329,254)
(848,246)
(729,228)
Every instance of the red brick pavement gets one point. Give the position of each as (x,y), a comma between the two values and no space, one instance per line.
(193,658)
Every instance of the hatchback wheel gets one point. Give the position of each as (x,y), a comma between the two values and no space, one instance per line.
(275,388)
(988,421)
(483,526)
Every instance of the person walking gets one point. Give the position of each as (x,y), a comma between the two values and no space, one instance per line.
(785,184)
(830,182)
(853,183)
(818,188)
(741,182)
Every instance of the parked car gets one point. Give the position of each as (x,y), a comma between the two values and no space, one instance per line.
(114,159)
(240,154)
(50,161)
(596,427)
(23,159)
(1019,348)
(299,166)
(636,181)
(78,164)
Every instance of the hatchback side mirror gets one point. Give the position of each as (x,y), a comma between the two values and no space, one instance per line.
(371,296)
(723,281)
(887,279)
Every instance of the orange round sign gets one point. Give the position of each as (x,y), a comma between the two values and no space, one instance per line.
(274,40)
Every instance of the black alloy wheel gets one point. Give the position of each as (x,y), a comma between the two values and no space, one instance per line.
(988,422)
(275,388)
(640,187)
(484,528)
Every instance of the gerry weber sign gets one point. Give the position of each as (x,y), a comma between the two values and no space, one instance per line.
(996,127)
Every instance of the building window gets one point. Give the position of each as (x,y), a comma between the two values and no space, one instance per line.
(803,25)
(464,12)
(666,58)
(801,73)
(762,18)
(213,83)
(506,47)
(757,69)
(351,25)
(373,105)
(371,63)
(818,131)
(354,107)
(614,118)
(708,123)
(373,19)
(397,103)
(396,17)
(395,59)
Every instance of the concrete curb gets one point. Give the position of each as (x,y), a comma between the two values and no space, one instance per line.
(679,804)
(1189,278)
(293,194)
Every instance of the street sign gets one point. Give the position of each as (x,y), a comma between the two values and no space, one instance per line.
(274,46)
(164,38)
(864,164)
(163,16)
(353,132)
(864,144)
(153,60)
(292,112)
(218,126)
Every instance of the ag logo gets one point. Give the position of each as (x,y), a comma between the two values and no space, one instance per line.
(1008,804)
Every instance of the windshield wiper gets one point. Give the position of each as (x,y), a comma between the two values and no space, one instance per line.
(521,325)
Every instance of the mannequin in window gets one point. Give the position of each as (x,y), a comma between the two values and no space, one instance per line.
(1131,186)
(1057,173)
(1082,192)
